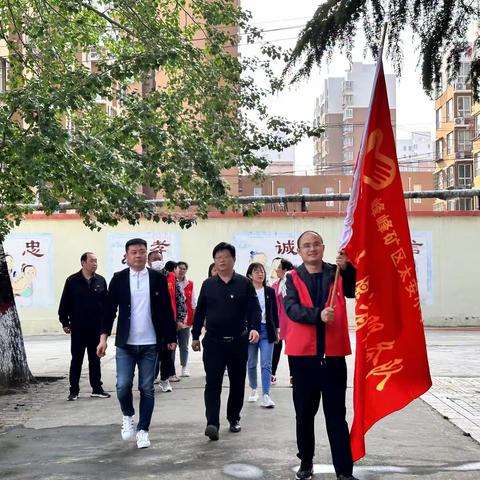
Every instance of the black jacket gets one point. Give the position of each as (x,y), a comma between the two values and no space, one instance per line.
(119,297)
(82,304)
(271,314)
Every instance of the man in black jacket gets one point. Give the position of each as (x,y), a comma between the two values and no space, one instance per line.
(229,308)
(80,312)
(145,320)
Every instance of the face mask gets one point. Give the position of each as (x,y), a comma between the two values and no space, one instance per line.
(158,265)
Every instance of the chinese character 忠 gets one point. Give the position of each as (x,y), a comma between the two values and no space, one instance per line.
(33,247)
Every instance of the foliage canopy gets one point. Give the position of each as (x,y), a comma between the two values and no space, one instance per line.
(441,27)
(58,142)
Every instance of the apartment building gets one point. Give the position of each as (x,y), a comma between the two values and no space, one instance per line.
(455,131)
(415,154)
(476,151)
(342,108)
(282,185)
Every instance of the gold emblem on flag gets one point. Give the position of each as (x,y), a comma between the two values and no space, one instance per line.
(384,167)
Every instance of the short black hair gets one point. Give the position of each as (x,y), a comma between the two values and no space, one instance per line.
(286,264)
(304,233)
(170,266)
(224,246)
(84,257)
(181,262)
(135,241)
(210,268)
(254,266)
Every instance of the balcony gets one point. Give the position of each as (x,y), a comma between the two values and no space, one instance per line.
(347,87)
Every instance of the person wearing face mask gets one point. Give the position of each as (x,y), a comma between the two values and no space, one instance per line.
(166,364)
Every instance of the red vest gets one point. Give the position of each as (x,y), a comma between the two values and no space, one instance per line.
(188,291)
(172,290)
(302,338)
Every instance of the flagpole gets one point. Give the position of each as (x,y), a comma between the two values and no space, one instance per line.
(379,59)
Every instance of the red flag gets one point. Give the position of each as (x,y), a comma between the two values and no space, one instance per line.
(391,365)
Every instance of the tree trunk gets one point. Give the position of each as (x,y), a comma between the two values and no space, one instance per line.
(14,369)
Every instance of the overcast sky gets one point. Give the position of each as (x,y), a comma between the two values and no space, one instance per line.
(415,111)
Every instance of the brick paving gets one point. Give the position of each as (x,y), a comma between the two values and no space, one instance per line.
(458,400)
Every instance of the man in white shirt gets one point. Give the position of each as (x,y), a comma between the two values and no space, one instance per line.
(145,319)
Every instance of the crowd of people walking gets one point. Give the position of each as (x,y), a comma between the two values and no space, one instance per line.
(238,321)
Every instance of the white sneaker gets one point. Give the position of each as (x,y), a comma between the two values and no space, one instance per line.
(165,386)
(174,378)
(142,439)
(185,372)
(128,428)
(253,396)
(267,402)
(156,381)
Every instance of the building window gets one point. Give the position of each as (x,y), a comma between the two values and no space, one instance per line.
(439,149)
(347,100)
(417,188)
(464,204)
(348,141)
(450,177)
(257,191)
(438,118)
(348,113)
(477,125)
(348,128)
(305,190)
(476,164)
(329,191)
(464,142)
(281,191)
(449,111)
(347,156)
(450,146)
(464,106)
(464,175)
(3,75)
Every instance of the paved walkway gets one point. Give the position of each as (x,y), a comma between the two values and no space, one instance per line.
(43,437)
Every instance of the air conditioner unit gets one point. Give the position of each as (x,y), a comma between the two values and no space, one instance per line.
(460,121)
(460,154)
(459,86)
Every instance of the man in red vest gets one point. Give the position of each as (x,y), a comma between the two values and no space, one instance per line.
(316,343)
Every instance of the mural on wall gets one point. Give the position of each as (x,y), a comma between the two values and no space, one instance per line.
(167,243)
(422,254)
(30,266)
(266,247)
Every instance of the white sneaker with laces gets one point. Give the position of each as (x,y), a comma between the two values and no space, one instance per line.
(142,439)
(165,386)
(267,402)
(253,396)
(174,378)
(128,428)
(185,372)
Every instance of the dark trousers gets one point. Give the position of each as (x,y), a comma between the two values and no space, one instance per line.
(79,342)
(277,350)
(165,365)
(217,355)
(312,377)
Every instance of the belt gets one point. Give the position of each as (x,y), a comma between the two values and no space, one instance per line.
(227,339)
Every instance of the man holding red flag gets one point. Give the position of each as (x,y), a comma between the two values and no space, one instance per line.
(316,343)
(391,366)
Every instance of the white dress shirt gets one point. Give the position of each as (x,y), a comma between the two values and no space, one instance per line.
(142,331)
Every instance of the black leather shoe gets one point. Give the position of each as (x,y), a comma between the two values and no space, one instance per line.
(235,426)
(305,472)
(211,432)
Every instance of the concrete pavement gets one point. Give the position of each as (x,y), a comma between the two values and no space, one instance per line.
(45,437)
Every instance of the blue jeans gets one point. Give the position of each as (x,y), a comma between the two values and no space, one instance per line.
(145,357)
(266,351)
(183,338)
